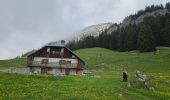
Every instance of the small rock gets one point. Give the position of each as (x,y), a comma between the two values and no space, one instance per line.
(151,88)
(128,84)
(120,95)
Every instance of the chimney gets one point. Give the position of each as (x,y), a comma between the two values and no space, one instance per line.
(63,42)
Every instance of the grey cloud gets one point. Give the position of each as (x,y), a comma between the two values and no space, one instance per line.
(29,24)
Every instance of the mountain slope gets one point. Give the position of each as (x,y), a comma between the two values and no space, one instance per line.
(94,30)
(130,20)
(133,60)
(142,31)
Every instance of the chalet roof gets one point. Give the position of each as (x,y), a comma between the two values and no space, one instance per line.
(59,46)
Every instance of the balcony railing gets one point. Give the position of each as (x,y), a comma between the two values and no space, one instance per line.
(53,64)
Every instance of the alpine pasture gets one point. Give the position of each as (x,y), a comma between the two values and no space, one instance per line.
(105,83)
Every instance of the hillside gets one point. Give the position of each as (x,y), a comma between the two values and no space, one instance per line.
(143,31)
(104,63)
(94,30)
(133,60)
(17,62)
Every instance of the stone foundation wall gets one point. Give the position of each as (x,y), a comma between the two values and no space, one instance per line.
(19,70)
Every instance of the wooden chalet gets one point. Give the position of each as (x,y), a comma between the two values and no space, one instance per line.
(58,60)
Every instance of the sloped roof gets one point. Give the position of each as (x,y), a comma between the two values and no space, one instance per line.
(59,46)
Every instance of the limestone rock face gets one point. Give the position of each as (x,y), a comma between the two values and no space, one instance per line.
(94,30)
(128,20)
(112,28)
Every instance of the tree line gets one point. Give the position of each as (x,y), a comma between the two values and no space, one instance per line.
(152,32)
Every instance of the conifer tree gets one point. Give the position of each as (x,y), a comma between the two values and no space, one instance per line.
(146,41)
(113,44)
(166,33)
(131,38)
(121,40)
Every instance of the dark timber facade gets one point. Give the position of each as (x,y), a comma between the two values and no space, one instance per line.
(57,60)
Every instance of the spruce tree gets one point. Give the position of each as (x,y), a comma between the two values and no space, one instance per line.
(146,41)
(113,44)
(166,33)
(155,26)
(131,38)
(121,40)
(89,41)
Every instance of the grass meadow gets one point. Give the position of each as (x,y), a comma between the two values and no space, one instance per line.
(105,64)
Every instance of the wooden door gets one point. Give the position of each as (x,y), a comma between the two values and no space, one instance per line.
(67,71)
(44,70)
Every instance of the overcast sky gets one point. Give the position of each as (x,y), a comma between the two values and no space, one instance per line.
(29,24)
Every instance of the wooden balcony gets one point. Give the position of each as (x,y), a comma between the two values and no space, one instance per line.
(58,63)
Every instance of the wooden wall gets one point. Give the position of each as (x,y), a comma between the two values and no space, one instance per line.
(55,52)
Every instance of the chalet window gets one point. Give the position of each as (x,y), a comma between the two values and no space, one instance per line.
(68,62)
(53,52)
(57,52)
(50,69)
(62,62)
(44,61)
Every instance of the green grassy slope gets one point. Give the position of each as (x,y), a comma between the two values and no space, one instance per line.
(19,62)
(148,62)
(105,63)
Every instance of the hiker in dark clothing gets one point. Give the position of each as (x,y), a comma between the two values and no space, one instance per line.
(125,75)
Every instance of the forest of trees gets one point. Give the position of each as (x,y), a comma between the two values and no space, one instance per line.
(152,32)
